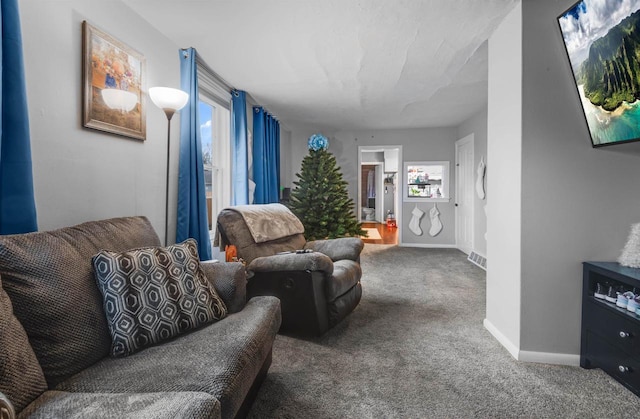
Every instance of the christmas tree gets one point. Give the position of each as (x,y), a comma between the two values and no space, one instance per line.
(320,198)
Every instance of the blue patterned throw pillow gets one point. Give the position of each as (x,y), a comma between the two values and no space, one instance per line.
(153,294)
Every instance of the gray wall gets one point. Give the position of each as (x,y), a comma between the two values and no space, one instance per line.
(477,125)
(299,138)
(286,175)
(418,144)
(554,201)
(577,202)
(82,174)
(426,143)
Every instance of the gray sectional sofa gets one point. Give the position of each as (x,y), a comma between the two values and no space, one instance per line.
(55,341)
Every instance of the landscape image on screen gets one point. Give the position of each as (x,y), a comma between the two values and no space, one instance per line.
(602,38)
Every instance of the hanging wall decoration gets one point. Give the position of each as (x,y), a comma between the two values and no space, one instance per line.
(602,39)
(414,224)
(112,85)
(480,172)
(436,224)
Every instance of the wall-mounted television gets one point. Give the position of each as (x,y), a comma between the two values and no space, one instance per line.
(602,39)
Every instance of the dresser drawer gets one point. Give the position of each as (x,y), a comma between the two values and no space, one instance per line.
(614,325)
(620,365)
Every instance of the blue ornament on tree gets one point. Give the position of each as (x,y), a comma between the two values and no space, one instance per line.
(318,142)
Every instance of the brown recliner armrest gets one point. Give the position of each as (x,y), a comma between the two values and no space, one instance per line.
(338,249)
(288,262)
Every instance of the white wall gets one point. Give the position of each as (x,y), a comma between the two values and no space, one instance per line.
(504,158)
(477,125)
(577,202)
(372,157)
(82,174)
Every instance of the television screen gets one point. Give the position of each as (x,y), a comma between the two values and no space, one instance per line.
(602,39)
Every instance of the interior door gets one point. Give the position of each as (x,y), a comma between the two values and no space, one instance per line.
(379,193)
(464,194)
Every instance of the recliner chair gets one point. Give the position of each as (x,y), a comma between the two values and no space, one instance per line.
(317,282)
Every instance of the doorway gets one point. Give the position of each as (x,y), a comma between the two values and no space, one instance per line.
(378,195)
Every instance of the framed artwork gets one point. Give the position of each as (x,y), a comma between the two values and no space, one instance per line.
(602,40)
(112,85)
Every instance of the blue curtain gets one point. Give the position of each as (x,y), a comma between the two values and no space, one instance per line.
(266,157)
(17,203)
(192,201)
(240,170)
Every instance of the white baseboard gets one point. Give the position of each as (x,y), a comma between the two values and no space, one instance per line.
(531,356)
(550,358)
(429,245)
(504,341)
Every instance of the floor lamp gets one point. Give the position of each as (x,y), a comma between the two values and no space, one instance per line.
(170,101)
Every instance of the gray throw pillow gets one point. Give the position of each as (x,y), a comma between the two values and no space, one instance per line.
(153,294)
(22,380)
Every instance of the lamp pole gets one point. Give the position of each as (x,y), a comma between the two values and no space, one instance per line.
(170,101)
(169,113)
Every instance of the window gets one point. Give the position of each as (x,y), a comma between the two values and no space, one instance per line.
(215,130)
(215,135)
(426,181)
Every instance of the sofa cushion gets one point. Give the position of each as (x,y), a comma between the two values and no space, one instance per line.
(50,280)
(22,378)
(222,359)
(153,294)
(184,405)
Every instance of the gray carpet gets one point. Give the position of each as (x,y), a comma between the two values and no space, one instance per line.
(416,348)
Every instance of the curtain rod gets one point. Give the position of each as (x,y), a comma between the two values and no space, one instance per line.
(202,63)
(222,81)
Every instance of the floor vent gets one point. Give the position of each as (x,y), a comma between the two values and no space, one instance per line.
(476,259)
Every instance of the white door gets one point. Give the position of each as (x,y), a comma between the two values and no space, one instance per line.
(379,193)
(464,194)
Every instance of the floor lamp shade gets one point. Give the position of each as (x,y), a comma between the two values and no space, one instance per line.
(170,100)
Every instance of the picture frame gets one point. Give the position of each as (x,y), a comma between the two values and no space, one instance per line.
(113,77)
(601,48)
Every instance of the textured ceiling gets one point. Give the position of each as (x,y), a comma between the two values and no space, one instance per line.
(343,64)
